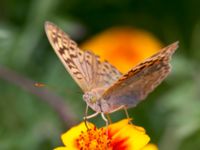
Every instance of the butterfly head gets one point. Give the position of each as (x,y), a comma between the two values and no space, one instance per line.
(94,100)
(90,98)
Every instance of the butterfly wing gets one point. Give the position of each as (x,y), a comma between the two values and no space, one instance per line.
(107,75)
(84,66)
(140,80)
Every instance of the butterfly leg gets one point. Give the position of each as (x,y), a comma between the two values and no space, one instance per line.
(127,115)
(109,119)
(126,112)
(86,117)
(106,120)
(91,116)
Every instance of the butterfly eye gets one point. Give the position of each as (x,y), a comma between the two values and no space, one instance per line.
(93,99)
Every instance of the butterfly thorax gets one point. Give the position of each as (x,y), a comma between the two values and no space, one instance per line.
(94,99)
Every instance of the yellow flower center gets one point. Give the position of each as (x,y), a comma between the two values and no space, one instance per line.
(94,139)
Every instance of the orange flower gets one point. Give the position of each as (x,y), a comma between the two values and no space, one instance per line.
(121,136)
(123,47)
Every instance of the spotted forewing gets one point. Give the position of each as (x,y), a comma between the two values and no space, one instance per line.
(84,66)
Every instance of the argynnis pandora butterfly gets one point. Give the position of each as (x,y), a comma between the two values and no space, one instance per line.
(105,88)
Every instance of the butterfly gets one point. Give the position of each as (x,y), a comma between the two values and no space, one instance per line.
(105,88)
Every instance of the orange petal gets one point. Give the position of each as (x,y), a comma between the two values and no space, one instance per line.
(127,136)
(69,138)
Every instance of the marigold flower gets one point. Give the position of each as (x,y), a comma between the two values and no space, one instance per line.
(123,47)
(121,136)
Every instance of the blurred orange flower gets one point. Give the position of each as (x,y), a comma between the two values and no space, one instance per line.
(123,47)
(121,136)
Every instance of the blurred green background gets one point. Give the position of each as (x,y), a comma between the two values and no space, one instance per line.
(171,114)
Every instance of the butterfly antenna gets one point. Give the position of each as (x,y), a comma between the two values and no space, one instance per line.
(78,92)
(43,85)
(68,91)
